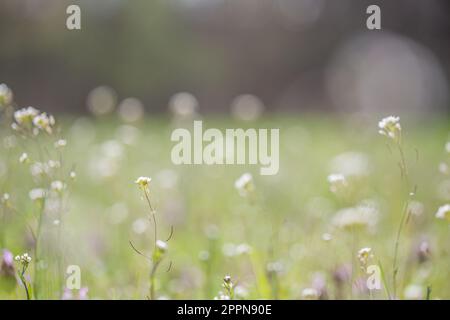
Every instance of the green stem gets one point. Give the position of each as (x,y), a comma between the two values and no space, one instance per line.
(402,220)
(36,250)
(152,280)
(24,283)
(153,215)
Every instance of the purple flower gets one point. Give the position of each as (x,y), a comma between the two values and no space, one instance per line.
(82,294)
(69,294)
(7,259)
(8,280)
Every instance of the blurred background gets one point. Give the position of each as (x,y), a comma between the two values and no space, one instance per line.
(280,55)
(308,67)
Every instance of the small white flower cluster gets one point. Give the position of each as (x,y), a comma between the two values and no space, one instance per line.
(5,198)
(6,95)
(44,122)
(57,186)
(61,143)
(143,182)
(37,194)
(414,292)
(337,182)
(31,118)
(361,216)
(40,168)
(245,185)
(351,164)
(275,267)
(24,259)
(310,294)
(233,250)
(25,115)
(40,193)
(364,255)
(222,296)
(390,127)
(444,212)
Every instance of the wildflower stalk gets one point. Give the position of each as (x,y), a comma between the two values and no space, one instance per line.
(153,280)
(24,282)
(160,247)
(36,251)
(403,219)
(153,215)
(390,127)
(24,261)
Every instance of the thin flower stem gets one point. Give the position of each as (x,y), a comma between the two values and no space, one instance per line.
(397,243)
(36,249)
(153,215)
(404,170)
(152,279)
(24,283)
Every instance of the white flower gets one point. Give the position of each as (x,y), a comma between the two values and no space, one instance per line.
(240,292)
(60,143)
(447,147)
(143,182)
(5,198)
(73,174)
(327,237)
(275,267)
(53,164)
(310,294)
(44,122)
(414,292)
(364,255)
(245,184)
(160,250)
(231,249)
(362,216)
(24,259)
(23,158)
(57,186)
(162,246)
(443,168)
(351,164)
(38,168)
(243,248)
(5,95)
(222,296)
(416,208)
(337,182)
(444,212)
(25,115)
(390,127)
(37,194)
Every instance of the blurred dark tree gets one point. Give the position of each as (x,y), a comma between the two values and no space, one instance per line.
(215,49)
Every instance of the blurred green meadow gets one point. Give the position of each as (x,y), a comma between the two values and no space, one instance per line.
(284,242)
